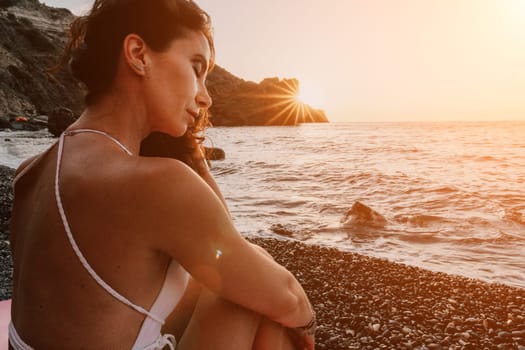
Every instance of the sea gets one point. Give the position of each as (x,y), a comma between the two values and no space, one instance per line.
(452,193)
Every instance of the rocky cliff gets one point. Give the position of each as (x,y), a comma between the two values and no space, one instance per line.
(32,36)
(271,102)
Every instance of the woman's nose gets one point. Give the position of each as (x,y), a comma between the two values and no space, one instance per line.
(203,98)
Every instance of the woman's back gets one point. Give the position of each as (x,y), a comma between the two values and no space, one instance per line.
(54,295)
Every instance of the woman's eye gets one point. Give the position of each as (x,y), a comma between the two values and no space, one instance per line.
(197,69)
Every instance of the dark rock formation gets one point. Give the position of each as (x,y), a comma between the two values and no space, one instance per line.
(32,36)
(271,102)
(214,153)
(31,39)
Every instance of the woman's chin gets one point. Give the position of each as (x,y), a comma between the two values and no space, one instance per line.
(176,131)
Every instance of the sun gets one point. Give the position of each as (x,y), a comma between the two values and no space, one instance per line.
(290,102)
(310,94)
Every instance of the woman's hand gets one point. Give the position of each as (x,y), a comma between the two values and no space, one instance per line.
(309,342)
(303,337)
(301,341)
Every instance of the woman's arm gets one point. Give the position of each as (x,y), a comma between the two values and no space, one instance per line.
(189,222)
(208,178)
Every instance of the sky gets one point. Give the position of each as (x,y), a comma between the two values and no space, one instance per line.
(379,60)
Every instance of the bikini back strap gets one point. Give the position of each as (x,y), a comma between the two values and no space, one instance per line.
(74,245)
(14,339)
(93,131)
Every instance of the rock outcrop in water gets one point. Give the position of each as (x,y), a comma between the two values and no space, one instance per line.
(271,102)
(32,36)
(362,215)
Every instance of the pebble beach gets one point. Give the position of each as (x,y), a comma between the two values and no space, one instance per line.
(370,303)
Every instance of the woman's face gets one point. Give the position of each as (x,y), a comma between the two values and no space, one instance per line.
(175,84)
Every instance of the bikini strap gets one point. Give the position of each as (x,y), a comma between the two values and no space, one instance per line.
(14,339)
(67,228)
(93,131)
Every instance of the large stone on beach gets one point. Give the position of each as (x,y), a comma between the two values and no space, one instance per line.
(4,123)
(214,153)
(59,120)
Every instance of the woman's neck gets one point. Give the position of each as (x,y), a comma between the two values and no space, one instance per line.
(122,118)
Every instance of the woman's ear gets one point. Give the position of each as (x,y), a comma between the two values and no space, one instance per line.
(135,51)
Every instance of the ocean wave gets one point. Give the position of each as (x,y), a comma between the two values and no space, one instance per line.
(421,238)
(515,215)
(263,165)
(421,220)
(431,190)
(224,171)
(479,158)
(280,213)
(279,203)
(409,150)
(289,178)
(498,238)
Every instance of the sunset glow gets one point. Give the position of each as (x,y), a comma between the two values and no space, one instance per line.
(285,105)
(310,94)
(384,60)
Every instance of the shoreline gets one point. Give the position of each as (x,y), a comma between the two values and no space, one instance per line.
(370,303)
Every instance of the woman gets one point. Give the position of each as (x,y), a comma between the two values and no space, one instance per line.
(116,251)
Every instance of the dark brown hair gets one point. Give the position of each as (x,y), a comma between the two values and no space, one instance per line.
(95,44)
(95,41)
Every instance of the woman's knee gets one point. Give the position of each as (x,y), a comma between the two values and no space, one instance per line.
(272,335)
(219,324)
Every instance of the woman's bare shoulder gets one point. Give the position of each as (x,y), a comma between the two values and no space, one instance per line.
(24,164)
(163,180)
(166,196)
(157,172)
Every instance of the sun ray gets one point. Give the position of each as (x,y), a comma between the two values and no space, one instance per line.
(276,117)
(284,103)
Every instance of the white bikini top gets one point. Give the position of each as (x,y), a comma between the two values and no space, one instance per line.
(175,282)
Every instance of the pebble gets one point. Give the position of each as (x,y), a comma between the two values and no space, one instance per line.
(350,332)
